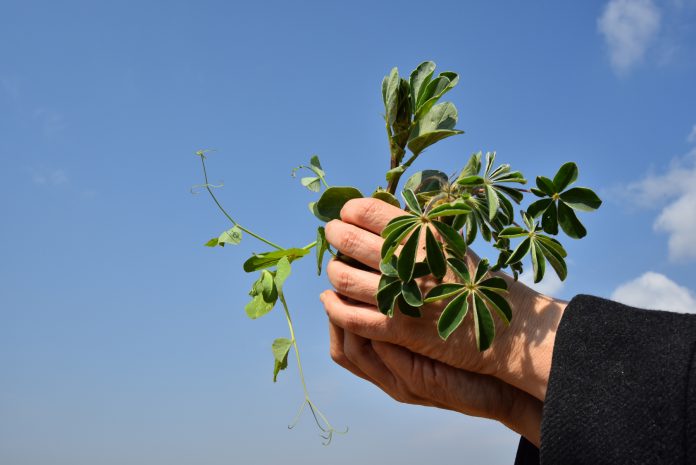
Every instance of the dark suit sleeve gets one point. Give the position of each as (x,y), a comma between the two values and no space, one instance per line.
(622,388)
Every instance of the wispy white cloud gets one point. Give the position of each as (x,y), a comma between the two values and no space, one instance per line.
(657,292)
(691,138)
(51,121)
(44,177)
(629,27)
(675,193)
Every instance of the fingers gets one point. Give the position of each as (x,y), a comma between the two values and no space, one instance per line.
(360,353)
(337,352)
(361,319)
(354,283)
(463,391)
(357,243)
(370,214)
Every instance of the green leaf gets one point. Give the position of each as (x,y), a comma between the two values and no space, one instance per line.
(212,242)
(321,247)
(549,221)
(394,239)
(311,183)
(537,208)
(511,192)
(421,269)
(512,231)
(389,268)
(231,236)
(435,89)
(391,96)
(269,291)
(481,270)
(546,185)
(458,207)
(537,192)
(495,283)
(538,262)
(333,199)
(386,196)
(499,304)
(282,272)
(258,307)
(316,165)
(264,296)
(389,290)
(473,166)
(567,175)
(392,173)
(452,238)
(581,198)
(398,223)
(484,328)
(280,347)
(554,258)
(407,258)
(493,202)
(460,269)
(407,309)
(427,181)
(412,293)
(552,244)
(269,259)
(453,315)
(520,251)
(411,201)
(443,291)
(436,125)
(436,258)
(313,208)
(569,222)
(471,181)
(420,77)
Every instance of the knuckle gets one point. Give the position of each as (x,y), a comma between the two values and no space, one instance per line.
(350,209)
(344,282)
(338,356)
(362,211)
(353,323)
(349,242)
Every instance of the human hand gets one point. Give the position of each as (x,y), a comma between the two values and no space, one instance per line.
(520,354)
(415,379)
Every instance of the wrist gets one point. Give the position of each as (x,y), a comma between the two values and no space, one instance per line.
(525,349)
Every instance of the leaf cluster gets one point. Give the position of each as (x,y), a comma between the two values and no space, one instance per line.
(447,214)
(443,216)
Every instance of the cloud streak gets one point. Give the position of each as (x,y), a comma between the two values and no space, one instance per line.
(53,178)
(655,291)
(675,192)
(628,27)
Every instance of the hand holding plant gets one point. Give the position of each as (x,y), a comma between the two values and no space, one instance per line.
(427,282)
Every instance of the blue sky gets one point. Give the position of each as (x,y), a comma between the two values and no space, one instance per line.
(123,339)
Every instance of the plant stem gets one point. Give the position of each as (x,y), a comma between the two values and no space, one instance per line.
(210,191)
(394,182)
(309,246)
(327,427)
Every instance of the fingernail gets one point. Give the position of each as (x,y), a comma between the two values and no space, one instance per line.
(321,296)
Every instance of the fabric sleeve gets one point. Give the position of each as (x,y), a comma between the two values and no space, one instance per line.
(622,388)
(527,453)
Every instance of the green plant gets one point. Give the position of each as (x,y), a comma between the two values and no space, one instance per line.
(446,213)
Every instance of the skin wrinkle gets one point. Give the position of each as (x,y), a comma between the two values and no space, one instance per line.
(434,374)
